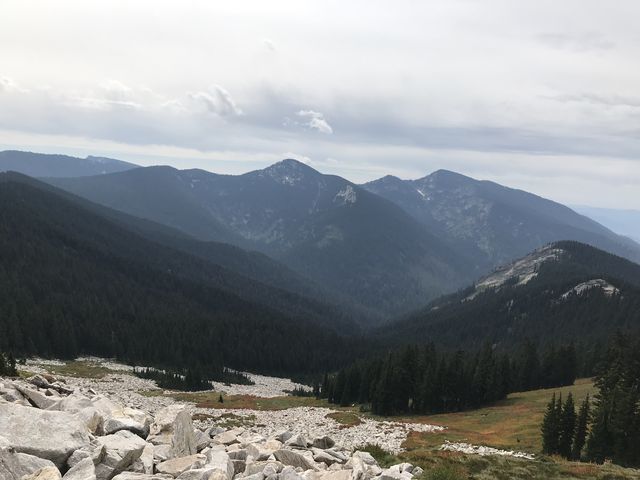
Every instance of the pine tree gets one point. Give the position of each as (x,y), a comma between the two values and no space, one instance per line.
(567,427)
(581,430)
(550,428)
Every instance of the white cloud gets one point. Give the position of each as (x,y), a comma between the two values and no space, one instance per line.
(315,121)
(218,101)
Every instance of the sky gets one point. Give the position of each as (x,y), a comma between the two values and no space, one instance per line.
(538,95)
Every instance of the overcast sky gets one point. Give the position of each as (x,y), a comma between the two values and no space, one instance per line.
(540,95)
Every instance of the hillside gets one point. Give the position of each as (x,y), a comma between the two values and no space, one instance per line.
(491,223)
(563,292)
(48,165)
(324,227)
(75,283)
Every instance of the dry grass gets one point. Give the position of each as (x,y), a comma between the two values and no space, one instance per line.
(345,419)
(512,424)
(79,369)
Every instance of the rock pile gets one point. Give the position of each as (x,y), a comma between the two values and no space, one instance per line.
(49,431)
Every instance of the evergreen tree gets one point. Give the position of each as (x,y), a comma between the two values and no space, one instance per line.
(581,430)
(551,428)
(567,427)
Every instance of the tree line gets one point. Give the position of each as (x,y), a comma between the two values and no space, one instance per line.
(8,365)
(423,380)
(611,431)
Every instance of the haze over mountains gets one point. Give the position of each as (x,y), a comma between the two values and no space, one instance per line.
(386,247)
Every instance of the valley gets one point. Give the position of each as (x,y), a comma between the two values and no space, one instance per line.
(426,336)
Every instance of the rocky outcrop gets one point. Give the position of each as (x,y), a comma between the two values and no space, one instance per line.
(46,434)
(52,432)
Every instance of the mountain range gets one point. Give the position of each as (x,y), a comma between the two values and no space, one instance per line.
(75,281)
(49,165)
(384,248)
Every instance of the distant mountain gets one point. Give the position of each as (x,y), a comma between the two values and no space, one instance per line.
(623,222)
(75,283)
(491,223)
(45,165)
(322,226)
(563,292)
(250,264)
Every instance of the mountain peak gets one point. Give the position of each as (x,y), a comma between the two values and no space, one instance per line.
(290,171)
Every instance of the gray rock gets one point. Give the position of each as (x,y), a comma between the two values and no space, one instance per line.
(14,465)
(240,454)
(219,460)
(183,442)
(322,456)
(297,441)
(284,436)
(83,470)
(323,442)
(289,473)
(121,450)
(176,466)
(46,473)
(38,399)
(202,439)
(288,457)
(238,466)
(140,476)
(226,438)
(259,452)
(46,434)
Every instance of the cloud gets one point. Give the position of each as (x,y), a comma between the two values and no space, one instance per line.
(218,101)
(8,85)
(269,44)
(584,42)
(315,121)
(611,100)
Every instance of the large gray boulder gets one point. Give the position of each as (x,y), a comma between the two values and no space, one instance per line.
(176,466)
(46,473)
(183,441)
(83,470)
(289,457)
(14,465)
(141,476)
(121,450)
(172,425)
(220,461)
(46,434)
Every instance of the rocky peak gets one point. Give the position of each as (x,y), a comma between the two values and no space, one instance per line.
(290,172)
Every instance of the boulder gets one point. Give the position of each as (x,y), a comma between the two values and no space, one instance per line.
(219,460)
(36,398)
(289,457)
(183,442)
(83,470)
(141,476)
(297,441)
(121,450)
(176,466)
(226,438)
(202,439)
(289,473)
(46,473)
(284,436)
(94,451)
(322,456)
(238,466)
(14,465)
(323,442)
(259,452)
(260,467)
(46,434)
(202,474)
